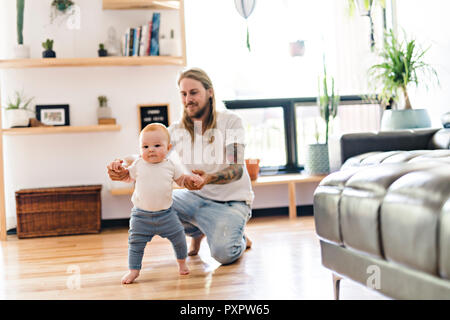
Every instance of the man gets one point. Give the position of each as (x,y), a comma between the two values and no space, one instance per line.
(211,145)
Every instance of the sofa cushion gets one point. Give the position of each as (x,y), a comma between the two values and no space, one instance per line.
(444,242)
(410,219)
(374,158)
(361,201)
(440,140)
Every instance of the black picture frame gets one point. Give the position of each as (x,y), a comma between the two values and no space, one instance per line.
(54,114)
(151,113)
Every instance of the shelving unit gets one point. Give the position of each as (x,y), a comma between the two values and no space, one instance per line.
(140,4)
(60,129)
(90,62)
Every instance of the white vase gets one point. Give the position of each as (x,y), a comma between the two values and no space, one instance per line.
(104,112)
(17,118)
(21,51)
(405,119)
(317,159)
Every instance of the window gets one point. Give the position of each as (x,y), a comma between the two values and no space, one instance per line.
(279,130)
(265,135)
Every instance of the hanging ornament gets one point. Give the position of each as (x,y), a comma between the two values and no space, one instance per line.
(245,9)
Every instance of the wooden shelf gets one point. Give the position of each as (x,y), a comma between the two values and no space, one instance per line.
(60,129)
(286,178)
(140,4)
(92,62)
(261,181)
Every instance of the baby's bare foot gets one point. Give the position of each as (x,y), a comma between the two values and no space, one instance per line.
(195,245)
(248,242)
(130,276)
(182,267)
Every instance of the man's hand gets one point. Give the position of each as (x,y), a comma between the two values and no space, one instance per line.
(197,181)
(117,172)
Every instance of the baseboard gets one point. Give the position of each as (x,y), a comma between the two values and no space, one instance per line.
(306,210)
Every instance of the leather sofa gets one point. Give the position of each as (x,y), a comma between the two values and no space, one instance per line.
(383,219)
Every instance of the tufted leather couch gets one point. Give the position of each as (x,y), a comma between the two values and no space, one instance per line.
(383,219)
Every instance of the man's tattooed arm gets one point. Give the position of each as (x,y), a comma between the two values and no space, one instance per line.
(235,156)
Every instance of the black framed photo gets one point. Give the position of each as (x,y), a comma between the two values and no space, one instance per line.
(54,114)
(151,113)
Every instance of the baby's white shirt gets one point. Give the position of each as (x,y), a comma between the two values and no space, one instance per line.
(154,183)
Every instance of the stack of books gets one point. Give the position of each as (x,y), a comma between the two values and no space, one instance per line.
(143,40)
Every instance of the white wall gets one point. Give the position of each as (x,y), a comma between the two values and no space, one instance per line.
(76,159)
(428,23)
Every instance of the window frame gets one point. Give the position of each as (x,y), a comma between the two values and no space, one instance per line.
(290,124)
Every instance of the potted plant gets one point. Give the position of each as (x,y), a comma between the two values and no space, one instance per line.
(17,113)
(21,51)
(60,7)
(48,46)
(317,159)
(402,63)
(102,52)
(103,111)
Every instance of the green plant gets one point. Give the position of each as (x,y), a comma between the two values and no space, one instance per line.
(102,100)
(19,103)
(62,5)
(20,9)
(328,105)
(48,44)
(101,46)
(402,63)
(367,5)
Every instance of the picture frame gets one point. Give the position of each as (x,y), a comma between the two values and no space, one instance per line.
(54,115)
(153,113)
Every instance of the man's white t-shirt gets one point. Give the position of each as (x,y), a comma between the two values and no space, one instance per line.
(202,154)
(154,183)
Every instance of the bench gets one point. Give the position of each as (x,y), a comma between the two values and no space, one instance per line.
(290,179)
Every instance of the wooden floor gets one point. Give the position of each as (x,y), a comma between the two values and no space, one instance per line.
(284,263)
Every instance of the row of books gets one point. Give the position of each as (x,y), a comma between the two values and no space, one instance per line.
(143,40)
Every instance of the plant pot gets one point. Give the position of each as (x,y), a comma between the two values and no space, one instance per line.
(102,52)
(405,119)
(317,160)
(21,51)
(48,54)
(104,112)
(252,168)
(17,118)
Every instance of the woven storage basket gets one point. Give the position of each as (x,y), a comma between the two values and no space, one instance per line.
(58,211)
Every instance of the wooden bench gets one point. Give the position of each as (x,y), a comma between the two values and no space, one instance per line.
(290,179)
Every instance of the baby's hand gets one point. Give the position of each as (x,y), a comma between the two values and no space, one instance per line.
(196,180)
(116,165)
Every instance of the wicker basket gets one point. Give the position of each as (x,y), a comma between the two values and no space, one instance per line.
(58,211)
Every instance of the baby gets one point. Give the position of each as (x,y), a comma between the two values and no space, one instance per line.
(152,199)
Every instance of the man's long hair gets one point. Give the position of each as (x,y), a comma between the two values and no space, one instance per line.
(201,76)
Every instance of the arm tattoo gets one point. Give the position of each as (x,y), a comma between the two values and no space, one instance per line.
(235,156)
(227,175)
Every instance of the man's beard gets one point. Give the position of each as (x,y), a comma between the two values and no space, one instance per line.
(200,113)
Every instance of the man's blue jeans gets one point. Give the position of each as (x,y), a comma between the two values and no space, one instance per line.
(222,222)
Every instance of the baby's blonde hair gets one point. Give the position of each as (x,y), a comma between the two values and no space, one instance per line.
(157,126)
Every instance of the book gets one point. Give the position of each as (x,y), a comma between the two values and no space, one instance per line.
(149,37)
(154,42)
(143,42)
(138,41)
(124,44)
(130,42)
